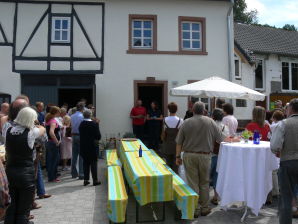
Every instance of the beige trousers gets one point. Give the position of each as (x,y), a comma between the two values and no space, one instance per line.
(197,171)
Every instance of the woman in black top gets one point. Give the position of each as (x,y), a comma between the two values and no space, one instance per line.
(52,146)
(154,118)
(19,146)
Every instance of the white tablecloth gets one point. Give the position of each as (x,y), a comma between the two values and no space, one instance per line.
(245,173)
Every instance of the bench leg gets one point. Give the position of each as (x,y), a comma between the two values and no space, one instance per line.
(158,220)
(178,214)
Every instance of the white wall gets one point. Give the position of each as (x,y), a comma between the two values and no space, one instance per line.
(115,87)
(248,80)
(9,81)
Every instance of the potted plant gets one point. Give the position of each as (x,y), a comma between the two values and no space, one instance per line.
(246,135)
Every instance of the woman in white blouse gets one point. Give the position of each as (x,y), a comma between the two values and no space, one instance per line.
(19,144)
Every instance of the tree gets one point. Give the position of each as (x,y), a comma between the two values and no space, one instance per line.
(290,27)
(242,15)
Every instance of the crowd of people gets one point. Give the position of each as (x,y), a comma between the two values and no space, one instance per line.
(36,137)
(194,142)
(40,136)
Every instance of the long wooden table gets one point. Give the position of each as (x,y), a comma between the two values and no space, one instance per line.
(147,176)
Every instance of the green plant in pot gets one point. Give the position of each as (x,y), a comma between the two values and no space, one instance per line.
(246,135)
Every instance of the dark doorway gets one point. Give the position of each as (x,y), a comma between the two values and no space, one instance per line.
(73,96)
(149,93)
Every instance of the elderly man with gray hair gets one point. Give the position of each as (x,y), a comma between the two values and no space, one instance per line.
(89,134)
(196,139)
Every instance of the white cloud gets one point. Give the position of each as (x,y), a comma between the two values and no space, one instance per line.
(274,12)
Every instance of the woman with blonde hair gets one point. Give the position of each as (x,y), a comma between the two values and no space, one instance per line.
(66,142)
(20,172)
(258,123)
(54,140)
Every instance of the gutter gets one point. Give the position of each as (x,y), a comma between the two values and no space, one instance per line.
(230,45)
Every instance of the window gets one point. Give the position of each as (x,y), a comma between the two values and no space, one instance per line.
(259,75)
(289,76)
(60,29)
(285,76)
(241,103)
(206,101)
(142,31)
(237,62)
(192,34)
(294,76)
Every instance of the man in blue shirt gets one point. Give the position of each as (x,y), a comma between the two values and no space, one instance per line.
(76,120)
(40,112)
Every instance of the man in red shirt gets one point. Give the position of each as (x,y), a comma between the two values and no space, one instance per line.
(138,116)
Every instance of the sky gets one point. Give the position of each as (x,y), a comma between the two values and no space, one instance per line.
(275,12)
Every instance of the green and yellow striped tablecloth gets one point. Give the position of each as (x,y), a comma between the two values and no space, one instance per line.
(112,158)
(157,157)
(128,146)
(185,198)
(147,176)
(117,196)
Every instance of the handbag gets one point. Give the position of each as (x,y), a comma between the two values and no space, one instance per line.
(217,145)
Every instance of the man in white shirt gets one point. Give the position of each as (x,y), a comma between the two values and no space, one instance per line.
(229,118)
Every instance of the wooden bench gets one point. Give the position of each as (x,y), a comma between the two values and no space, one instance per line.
(117,196)
(185,198)
(112,158)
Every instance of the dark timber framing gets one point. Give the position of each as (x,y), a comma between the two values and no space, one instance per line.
(48,58)
(49,37)
(84,31)
(3,34)
(35,29)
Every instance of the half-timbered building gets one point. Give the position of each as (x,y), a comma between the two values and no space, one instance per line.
(113,52)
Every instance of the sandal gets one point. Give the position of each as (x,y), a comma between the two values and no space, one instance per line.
(214,201)
(31,217)
(36,206)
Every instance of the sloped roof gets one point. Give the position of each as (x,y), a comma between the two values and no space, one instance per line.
(266,40)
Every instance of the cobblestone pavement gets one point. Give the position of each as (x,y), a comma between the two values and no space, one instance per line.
(72,203)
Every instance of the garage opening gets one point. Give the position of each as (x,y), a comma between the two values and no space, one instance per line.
(73,96)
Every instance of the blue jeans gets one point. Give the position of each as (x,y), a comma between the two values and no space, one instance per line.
(75,155)
(288,180)
(39,182)
(52,159)
(213,173)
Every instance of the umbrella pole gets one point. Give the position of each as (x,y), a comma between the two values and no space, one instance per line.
(213,104)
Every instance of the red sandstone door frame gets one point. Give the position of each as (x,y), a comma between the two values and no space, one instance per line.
(153,82)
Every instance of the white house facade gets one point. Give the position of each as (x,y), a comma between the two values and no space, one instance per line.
(112,52)
(268,63)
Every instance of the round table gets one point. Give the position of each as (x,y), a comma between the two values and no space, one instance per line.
(245,173)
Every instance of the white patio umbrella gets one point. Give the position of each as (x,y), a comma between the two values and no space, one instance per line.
(217,87)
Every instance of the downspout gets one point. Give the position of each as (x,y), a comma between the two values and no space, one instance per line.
(230,45)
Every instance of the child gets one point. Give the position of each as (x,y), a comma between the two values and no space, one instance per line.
(66,142)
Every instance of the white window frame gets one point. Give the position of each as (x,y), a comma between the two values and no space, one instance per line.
(290,76)
(54,18)
(245,106)
(204,98)
(191,39)
(237,58)
(263,73)
(142,29)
